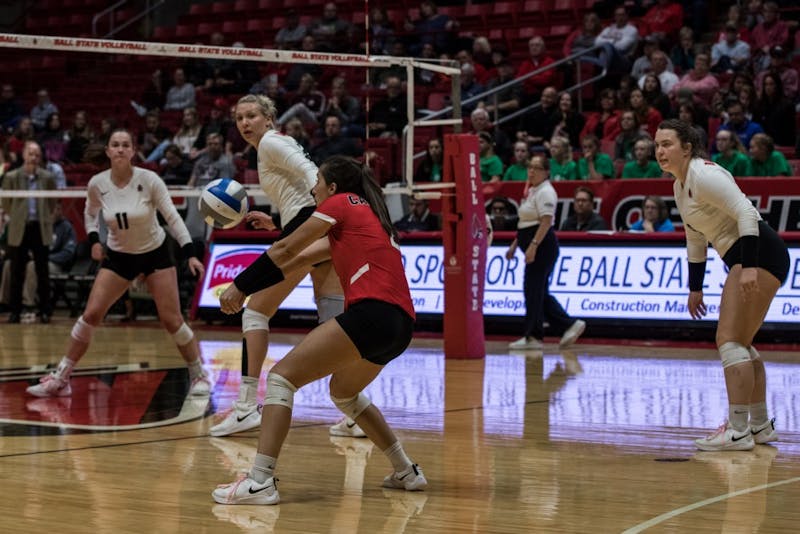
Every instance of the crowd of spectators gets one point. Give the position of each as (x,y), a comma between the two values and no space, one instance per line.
(737,88)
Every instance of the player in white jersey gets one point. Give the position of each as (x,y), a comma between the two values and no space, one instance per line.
(128,198)
(714,210)
(286,175)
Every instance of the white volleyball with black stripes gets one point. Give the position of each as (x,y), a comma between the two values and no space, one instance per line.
(223,203)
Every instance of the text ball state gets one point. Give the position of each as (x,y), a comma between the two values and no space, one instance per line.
(223,203)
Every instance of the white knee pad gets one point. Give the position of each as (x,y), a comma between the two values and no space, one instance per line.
(279,391)
(82,331)
(329,307)
(733,354)
(253,320)
(182,335)
(354,406)
(754,354)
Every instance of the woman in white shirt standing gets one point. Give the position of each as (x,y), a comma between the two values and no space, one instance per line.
(714,210)
(129,198)
(536,238)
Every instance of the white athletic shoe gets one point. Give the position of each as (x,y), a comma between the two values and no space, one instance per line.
(347,428)
(526,343)
(572,334)
(200,387)
(726,438)
(410,479)
(245,490)
(51,386)
(764,433)
(241,418)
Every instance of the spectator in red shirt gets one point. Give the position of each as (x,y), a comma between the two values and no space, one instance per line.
(604,123)
(649,117)
(538,58)
(770,32)
(664,19)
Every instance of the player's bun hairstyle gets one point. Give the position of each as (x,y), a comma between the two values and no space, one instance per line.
(686,134)
(352,176)
(265,104)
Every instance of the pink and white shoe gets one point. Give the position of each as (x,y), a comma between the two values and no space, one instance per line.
(200,386)
(51,386)
(725,438)
(245,490)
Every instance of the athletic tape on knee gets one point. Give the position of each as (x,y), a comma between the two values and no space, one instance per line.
(354,406)
(733,354)
(253,320)
(754,354)
(82,331)
(279,391)
(329,307)
(183,335)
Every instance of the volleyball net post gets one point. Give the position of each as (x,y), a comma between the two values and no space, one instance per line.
(464,239)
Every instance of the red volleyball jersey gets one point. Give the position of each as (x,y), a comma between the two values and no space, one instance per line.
(367,260)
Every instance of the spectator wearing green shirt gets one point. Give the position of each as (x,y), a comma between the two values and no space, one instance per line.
(594,165)
(562,166)
(731,156)
(765,160)
(643,166)
(430,168)
(518,171)
(491,166)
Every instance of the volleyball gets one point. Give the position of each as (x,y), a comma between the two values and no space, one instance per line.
(223,203)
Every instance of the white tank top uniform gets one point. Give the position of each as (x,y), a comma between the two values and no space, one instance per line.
(130,212)
(285,173)
(714,210)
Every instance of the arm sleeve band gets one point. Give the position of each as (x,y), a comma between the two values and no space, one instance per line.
(697,272)
(261,274)
(187,251)
(749,250)
(94,237)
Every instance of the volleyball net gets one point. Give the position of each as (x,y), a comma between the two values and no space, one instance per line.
(114,82)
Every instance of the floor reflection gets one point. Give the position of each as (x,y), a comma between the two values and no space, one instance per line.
(579,391)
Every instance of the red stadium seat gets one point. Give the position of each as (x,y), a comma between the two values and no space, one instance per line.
(164,33)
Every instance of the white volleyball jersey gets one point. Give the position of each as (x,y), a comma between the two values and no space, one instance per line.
(539,202)
(285,173)
(130,212)
(713,208)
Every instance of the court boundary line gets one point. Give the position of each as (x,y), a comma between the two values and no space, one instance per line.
(699,504)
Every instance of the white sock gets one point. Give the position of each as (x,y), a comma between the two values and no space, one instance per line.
(263,468)
(64,369)
(248,390)
(195,369)
(397,456)
(758,413)
(738,414)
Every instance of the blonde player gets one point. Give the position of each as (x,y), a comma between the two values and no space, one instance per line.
(714,210)
(129,197)
(286,175)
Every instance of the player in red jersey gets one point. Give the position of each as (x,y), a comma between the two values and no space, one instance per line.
(353,347)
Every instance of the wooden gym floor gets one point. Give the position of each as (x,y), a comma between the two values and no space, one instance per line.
(594,439)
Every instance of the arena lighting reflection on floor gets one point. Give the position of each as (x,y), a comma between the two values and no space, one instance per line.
(577,391)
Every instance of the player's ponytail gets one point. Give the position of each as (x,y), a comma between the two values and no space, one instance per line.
(351,176)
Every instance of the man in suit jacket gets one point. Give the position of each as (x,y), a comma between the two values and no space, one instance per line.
(30,229)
